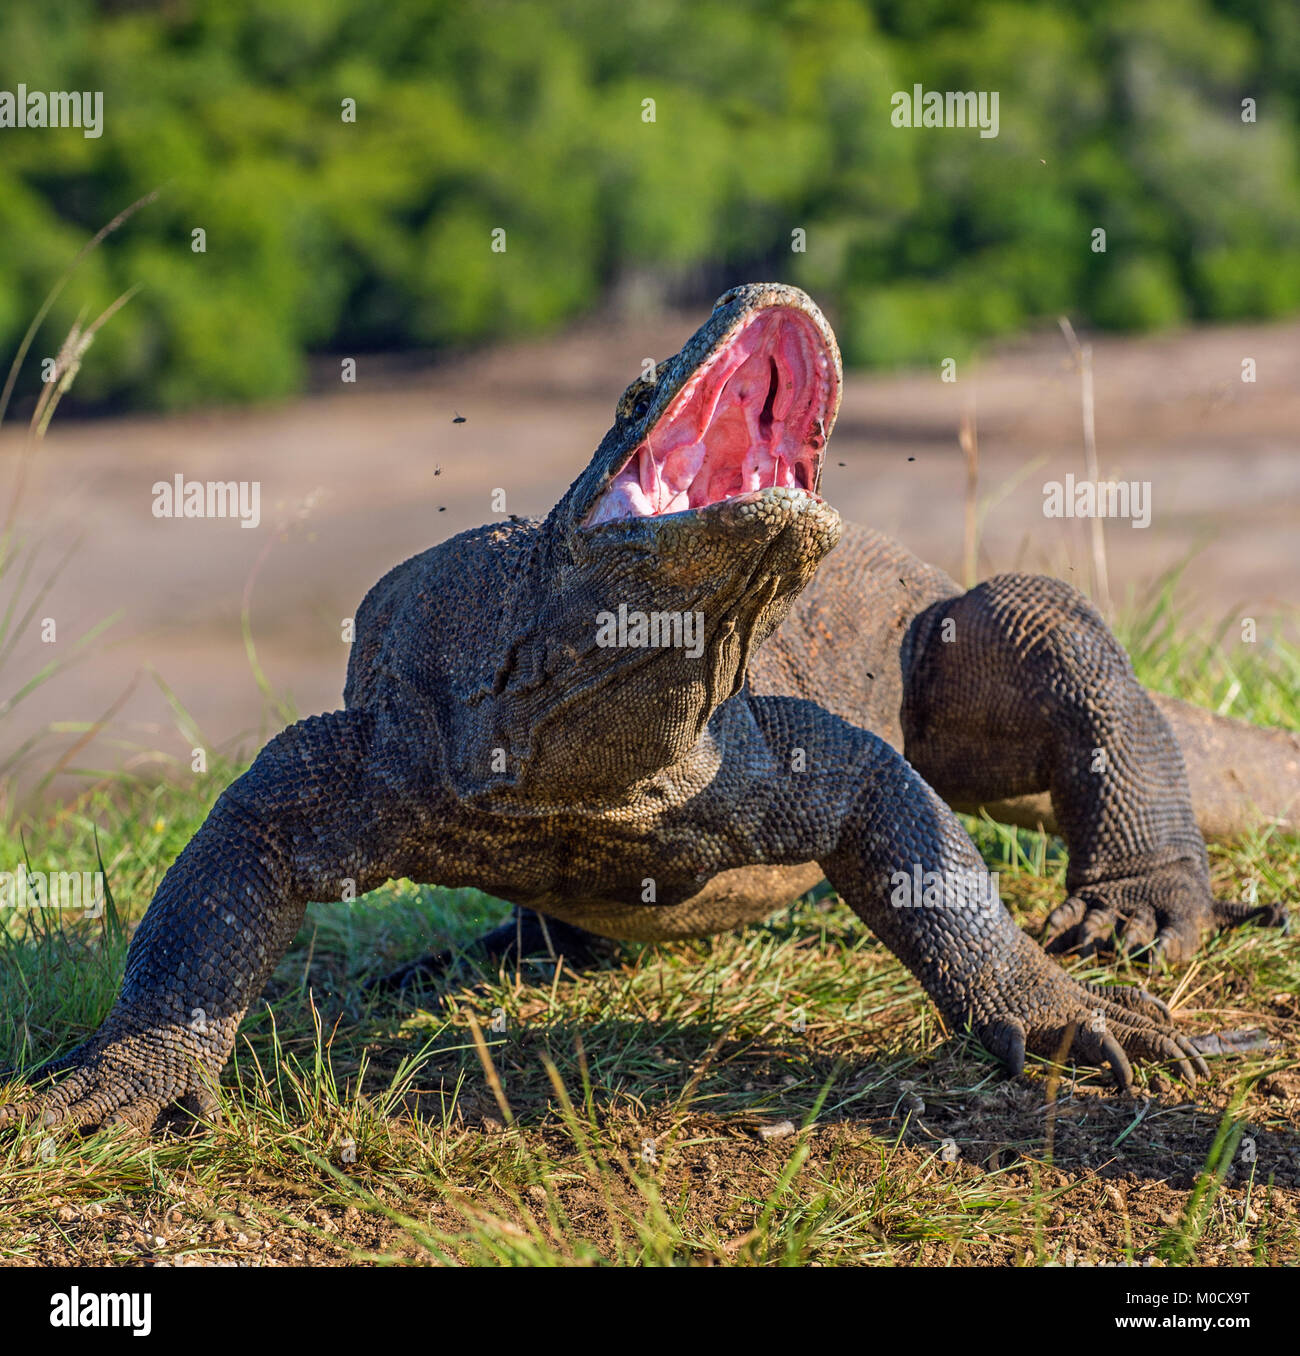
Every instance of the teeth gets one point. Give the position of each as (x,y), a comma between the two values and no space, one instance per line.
(646,471)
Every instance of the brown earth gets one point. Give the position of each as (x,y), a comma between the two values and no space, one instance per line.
(1056,1175)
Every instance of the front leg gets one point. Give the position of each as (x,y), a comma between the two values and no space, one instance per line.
(1016,688)
(318,807)
(876,828)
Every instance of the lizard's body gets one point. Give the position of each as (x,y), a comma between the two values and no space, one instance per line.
(583,865)
(492,738)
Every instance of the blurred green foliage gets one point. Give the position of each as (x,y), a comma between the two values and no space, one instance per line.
(770,117)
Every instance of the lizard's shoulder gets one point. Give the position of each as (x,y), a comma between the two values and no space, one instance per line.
(437,605)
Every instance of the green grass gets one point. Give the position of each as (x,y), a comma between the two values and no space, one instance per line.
(621,1118)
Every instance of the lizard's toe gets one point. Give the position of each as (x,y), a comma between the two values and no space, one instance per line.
(1136,932)
(1160,914)
(1135,999)
(1231,913)
(1064,918)
(1119,1044)
(1094,931)
(1176,1050)
(1174,945)
(1144,1027)
(18,1110)
(1147,1035)
(202,1105)
(138,1115)
(126,1080)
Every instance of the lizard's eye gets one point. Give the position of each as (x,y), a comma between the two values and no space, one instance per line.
(640,407)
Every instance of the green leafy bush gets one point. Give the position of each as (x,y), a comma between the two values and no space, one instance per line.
(686,142)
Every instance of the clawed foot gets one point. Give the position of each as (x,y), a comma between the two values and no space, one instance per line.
(1159,916)
(132,1081)
(526,934)
(1046,1012)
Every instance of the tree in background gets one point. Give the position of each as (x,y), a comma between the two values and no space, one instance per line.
(676,144)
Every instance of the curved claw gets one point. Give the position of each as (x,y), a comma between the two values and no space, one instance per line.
(1160,912)
(1171,947)
(1189,1048)
(1116,1026)
(1120,1067)
(1096,925)
(1067,915)
(1136,932)
(1236,1042)
(1189,1068)
(1163,1046)
(1004,1038)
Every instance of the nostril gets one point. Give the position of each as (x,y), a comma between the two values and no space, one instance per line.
(729,295)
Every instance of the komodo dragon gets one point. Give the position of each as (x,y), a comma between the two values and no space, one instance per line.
(669,708)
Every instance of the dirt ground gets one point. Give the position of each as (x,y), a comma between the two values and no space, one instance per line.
(1098,1195)
(356,479)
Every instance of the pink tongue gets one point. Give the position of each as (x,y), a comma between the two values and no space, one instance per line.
(623,499)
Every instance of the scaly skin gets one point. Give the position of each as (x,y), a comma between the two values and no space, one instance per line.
(489,741)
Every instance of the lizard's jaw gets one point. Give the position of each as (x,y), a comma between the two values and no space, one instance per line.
(752,417)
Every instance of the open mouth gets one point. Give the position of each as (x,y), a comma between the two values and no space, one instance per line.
(751,417)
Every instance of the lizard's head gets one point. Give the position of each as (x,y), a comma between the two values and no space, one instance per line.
(704,493)
(744,408)
(681,546)
(710,473)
